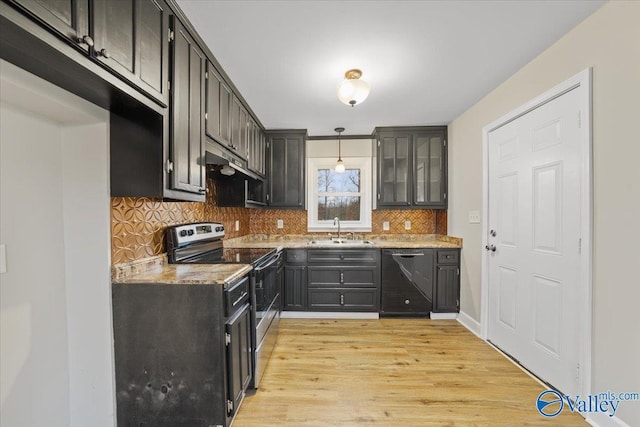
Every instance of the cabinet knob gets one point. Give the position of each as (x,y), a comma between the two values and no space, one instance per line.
(86,40)
(104,52)
(407,301)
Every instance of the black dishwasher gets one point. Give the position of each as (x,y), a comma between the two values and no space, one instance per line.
(407,282)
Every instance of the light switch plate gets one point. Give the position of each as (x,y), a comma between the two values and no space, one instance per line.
(385,226)
(3,259)
(407,225)
(280,223)
(237,225)
(474,217)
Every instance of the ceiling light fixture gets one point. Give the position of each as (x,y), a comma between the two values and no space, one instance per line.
(353,90)
(339,163)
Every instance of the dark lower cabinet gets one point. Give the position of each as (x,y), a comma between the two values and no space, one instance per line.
(295,280)
(238,335)
(343,299)
(447,281)
(179,359)
(447,289)
(343,279)
(295,288)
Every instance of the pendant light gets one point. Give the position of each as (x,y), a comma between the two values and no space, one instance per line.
(339,163)
(353,90)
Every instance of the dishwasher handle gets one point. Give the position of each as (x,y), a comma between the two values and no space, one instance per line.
(406,255)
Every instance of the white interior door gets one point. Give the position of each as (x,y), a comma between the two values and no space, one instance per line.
(534,240)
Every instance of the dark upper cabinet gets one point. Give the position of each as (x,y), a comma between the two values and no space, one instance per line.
(187,113)
(239,132)
(429,169)
(285,168)
(394,170)
(114,34)
(412,169)
(218,108)
(69,18)
(256,148)
(131,38)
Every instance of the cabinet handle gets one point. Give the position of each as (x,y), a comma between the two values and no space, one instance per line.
(407,302)
(104,52)
(341,277)
(341,299)
(86,40)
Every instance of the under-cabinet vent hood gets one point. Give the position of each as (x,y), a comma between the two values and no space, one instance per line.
(218,155)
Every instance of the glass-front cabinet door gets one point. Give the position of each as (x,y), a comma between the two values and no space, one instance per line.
(395,169)
(429,184)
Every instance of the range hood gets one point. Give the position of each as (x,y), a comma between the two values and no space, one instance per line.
(216,154)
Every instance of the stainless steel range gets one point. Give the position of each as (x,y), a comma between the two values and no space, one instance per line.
(201,243)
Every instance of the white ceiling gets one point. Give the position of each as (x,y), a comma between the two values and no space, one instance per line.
(427,61)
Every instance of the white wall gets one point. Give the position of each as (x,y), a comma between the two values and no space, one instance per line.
(56,356)
(329,148)
(608,41)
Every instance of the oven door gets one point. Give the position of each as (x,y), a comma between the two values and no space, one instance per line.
(267,314)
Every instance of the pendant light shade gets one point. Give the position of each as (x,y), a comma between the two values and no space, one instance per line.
(353,90)
(339,164)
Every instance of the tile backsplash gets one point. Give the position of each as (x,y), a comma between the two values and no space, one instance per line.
(137,224)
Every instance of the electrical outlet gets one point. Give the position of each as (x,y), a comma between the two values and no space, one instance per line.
(407,225)
(474,217)
(385,226)
(237,225)
(280,223)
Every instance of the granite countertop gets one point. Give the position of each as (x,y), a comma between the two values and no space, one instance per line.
(301,241)
(157,270)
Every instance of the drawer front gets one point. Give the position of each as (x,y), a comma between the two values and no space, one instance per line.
(356,256)
(340,299)
(448,256)
(236,295)
(295,256)
(352,277)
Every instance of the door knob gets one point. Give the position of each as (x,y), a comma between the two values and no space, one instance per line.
(491,248)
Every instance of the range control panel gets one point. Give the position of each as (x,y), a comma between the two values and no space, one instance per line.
(189,233)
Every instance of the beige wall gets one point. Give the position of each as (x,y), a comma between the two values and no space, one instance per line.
(608,41)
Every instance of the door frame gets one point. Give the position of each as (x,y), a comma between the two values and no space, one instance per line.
(582,82)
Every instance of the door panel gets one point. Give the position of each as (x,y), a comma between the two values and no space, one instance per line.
(114,34)
(534,209)
(69,17)
(152,23)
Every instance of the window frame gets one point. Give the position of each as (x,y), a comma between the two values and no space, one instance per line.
(362,163)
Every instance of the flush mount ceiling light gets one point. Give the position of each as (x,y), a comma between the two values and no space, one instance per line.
(353,90)
(339,163)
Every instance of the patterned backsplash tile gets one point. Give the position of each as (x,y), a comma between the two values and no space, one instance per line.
(137,224)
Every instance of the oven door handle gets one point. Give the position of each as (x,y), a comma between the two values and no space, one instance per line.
(275,259)
(407,255)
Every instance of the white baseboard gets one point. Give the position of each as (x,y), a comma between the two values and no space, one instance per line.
(470,323)
(327,315)
(443,316)
(604,420)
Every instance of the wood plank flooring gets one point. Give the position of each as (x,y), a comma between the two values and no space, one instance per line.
(391,372)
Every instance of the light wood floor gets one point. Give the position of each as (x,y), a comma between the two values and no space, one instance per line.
(391,372)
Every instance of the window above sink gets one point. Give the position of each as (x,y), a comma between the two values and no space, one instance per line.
(344,195)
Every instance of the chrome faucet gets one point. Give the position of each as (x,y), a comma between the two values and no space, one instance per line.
(337,220)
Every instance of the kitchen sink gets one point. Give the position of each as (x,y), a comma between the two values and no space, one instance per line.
(340,242)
